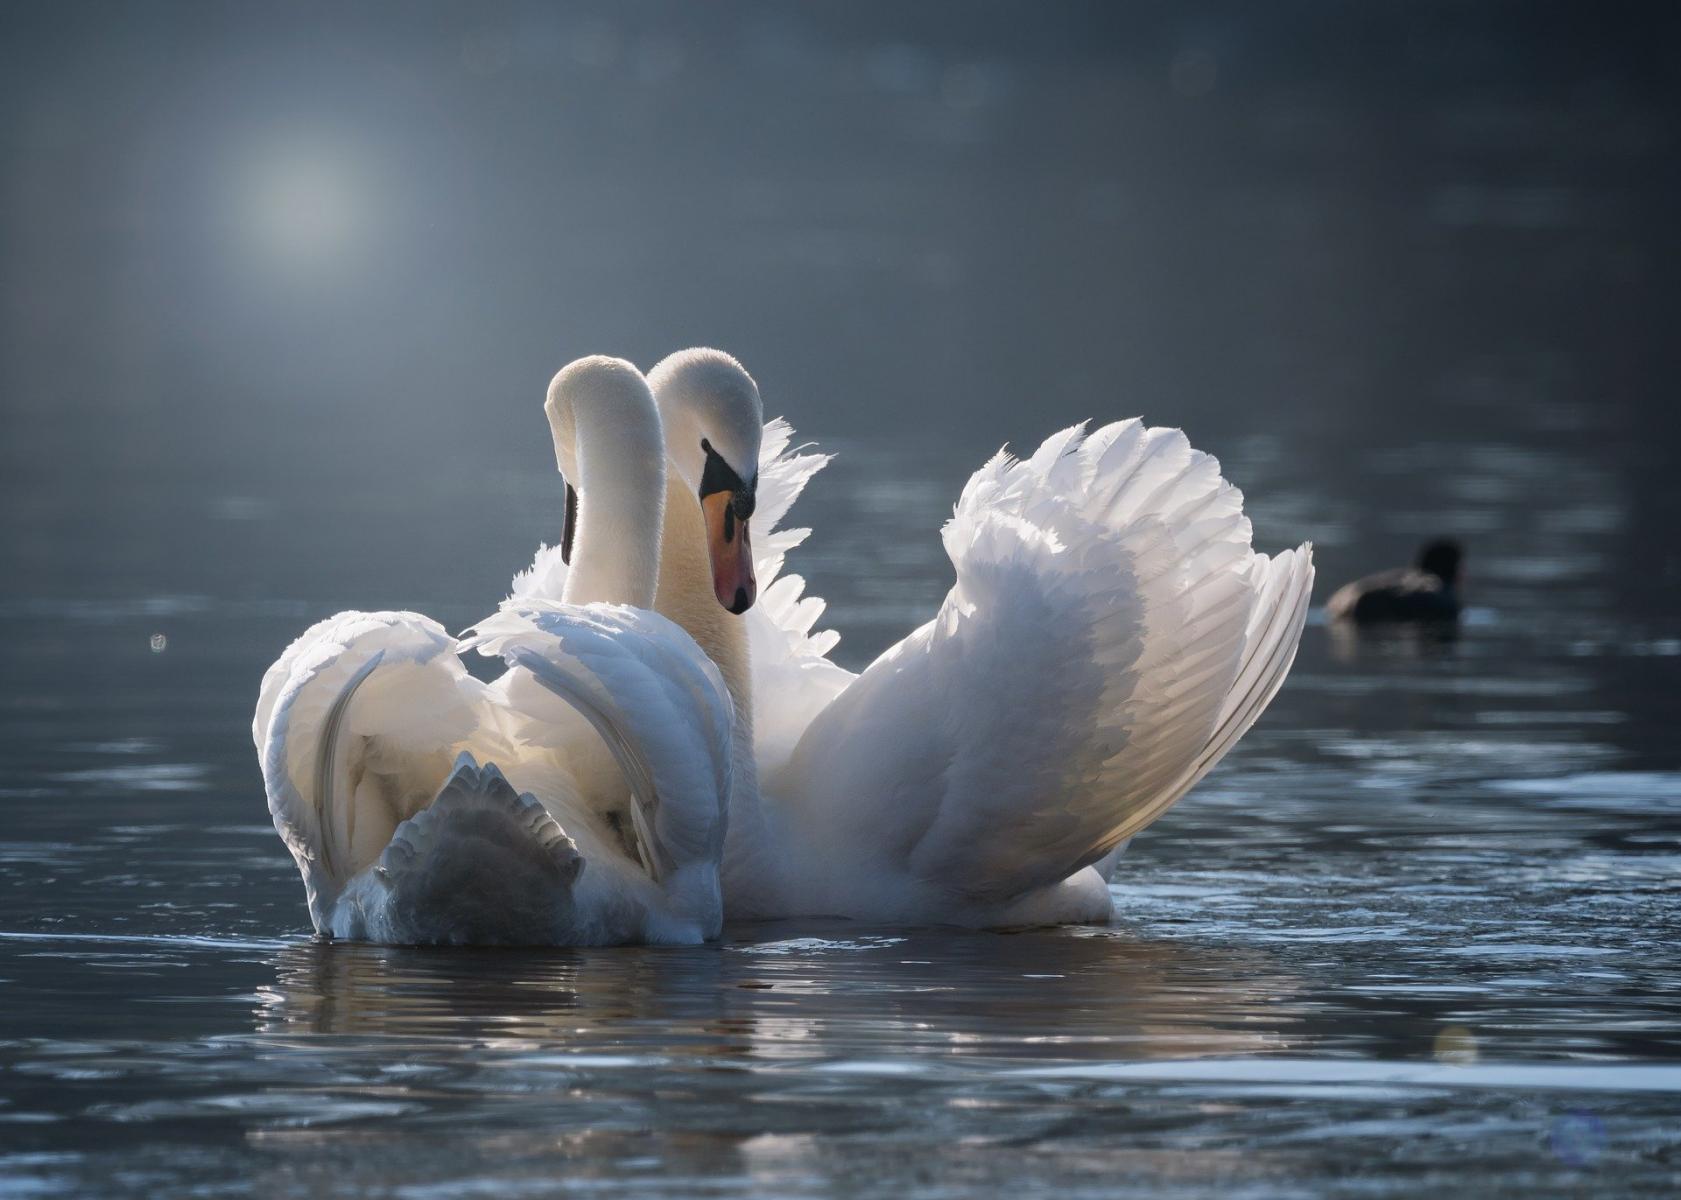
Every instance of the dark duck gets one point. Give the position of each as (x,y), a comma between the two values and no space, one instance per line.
(1428,591)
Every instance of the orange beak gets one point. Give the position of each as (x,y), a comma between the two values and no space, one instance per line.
(732,555)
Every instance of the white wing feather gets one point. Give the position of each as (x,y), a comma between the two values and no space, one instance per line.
(368,717)
(793,678)
(1110,634)
(544,579)
(357,725)
(658,702)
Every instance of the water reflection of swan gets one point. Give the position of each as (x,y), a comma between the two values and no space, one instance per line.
(350,988)
(836,993)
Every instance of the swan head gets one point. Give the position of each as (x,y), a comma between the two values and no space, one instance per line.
(610,397)
(713,419)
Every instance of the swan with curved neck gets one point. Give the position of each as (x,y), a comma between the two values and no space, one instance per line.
(712,417)
(608,444)
(1110,636)
(371,734)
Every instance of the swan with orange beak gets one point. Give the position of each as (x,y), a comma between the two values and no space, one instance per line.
(726,503)
(713,423)
(1110,634)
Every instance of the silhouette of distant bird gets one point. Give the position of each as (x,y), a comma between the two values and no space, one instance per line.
(1428,591)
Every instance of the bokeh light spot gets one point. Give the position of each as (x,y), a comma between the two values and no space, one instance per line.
(302,205)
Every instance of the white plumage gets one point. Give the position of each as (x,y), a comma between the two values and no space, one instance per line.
(1110,635)
(579,799)
(372,732)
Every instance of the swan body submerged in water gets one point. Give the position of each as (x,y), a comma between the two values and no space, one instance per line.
(579,799)
(1110,635)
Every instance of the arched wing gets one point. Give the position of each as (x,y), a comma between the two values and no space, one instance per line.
(793,678)
(1110,635)
(356,727)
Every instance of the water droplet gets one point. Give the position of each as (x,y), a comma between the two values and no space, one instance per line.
(159,643)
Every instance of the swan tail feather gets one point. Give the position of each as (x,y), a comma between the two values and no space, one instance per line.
(1110,862)
(483,864)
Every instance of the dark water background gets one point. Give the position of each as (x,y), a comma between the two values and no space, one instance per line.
(281,291)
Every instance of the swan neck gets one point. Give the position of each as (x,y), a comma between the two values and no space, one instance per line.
(686,596)
(621,501)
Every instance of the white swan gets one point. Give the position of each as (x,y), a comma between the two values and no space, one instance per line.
(371,732)
(1109,636)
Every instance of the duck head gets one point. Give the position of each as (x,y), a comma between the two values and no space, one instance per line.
(1441,558)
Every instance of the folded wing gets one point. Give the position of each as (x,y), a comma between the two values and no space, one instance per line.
(370,732)
(357,726)
(655,699)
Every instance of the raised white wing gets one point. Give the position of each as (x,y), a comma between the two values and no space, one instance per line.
(1110,635)
(793,678)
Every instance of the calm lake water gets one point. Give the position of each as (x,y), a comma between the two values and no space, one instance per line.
(1419,932)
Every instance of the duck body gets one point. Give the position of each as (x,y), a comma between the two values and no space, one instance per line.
(1427,592)
(1405,594)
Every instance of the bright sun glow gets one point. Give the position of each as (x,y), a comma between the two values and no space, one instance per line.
(303,205)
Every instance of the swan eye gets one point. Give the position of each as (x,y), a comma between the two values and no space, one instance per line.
(719,476)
